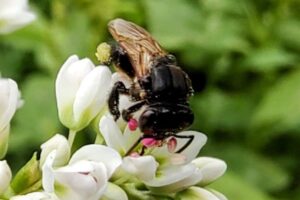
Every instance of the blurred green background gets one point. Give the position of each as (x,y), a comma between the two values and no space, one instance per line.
(243,59)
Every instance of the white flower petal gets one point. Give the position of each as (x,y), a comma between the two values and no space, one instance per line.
(189,153)
(196,193)
(211,168)
(193,149)
(14,14)
(186,182)
(169,175)
(48,172)
(9,98)
(99,153)
(120,77)
(218,194)
(130,137)
(5,174)
(13,6)
(16,21)
(69,78)
(144,167)
(35,196)
(92,93)
(112,134)
(81,180)
(114,192)
(4,137)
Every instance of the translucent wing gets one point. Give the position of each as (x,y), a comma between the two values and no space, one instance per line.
(138,43)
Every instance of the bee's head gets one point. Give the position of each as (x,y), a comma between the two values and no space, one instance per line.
(162,118)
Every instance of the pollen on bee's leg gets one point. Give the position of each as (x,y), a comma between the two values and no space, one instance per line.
(132,124)
(149,142)
(172,144)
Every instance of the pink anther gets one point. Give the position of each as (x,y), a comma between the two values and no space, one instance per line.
(149,142)
(132,124)
(135,154)
(172,144)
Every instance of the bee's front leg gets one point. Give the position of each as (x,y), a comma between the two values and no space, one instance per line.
(127,113)
(113,100)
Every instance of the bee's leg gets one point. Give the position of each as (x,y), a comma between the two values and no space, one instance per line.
(190,139)
(138,142)
(143,150)
(121,60)
(127,113)
(113,101)
(134,145)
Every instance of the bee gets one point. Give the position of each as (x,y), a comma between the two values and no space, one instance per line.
(158,85)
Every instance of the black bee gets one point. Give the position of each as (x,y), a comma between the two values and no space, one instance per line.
(159,84)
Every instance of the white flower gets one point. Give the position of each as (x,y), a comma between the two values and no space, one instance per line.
(81,91)
(62,147)
(14,14)
(5,174)
(160,169)
(85,177)
(35,196)
(9,102)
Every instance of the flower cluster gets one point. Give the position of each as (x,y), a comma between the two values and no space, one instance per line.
(102,170)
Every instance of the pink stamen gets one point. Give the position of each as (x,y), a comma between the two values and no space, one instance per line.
(172,144)
(132,124)
(149,142)
(135,154)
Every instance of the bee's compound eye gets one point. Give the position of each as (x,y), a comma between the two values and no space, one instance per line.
(172,58)
(147,120)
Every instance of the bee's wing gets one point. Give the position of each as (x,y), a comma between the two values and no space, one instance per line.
(138,43)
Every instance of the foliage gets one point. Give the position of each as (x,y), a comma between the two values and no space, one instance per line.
(242,56)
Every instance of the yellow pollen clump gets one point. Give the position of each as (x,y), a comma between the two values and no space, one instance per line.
(103,52)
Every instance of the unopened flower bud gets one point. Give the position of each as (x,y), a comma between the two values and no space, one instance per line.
(81,91)
(62,147)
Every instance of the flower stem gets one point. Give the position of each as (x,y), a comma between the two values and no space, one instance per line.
(71,137)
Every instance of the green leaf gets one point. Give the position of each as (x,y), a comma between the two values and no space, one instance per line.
(177,27)
(28,177)
(269,58)
(235,187)
(258,170)
(279,110)
(217,110)
(289,31)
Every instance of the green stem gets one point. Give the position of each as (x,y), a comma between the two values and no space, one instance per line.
(71,137)
(99,139)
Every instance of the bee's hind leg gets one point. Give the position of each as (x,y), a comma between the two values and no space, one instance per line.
(113,100)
